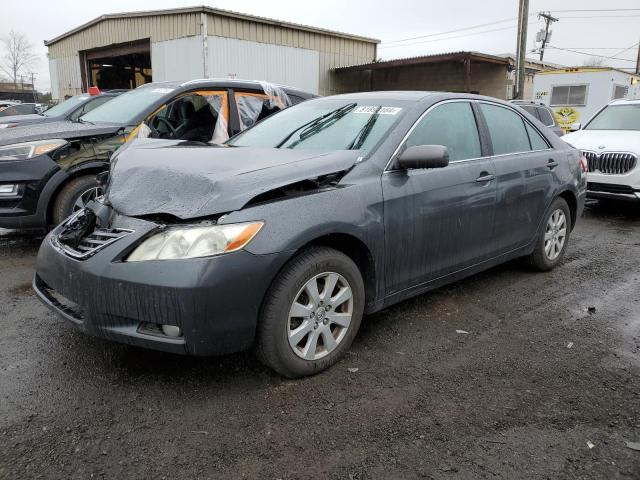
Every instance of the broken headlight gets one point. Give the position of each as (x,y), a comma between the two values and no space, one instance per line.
(195,241)
(23,151)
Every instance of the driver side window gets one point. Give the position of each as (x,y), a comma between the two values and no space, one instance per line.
(197,116)
(450,124)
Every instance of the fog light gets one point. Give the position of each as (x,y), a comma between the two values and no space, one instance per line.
(9,190)
(171,331)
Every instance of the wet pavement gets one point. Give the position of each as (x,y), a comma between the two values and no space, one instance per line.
(549,367)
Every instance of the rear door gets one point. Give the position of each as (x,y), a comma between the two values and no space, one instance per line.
(440,220)
(525,165)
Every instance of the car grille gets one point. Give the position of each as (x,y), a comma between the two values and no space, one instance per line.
(93,242)
(613,163)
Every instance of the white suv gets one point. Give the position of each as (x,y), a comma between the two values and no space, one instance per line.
(610,141)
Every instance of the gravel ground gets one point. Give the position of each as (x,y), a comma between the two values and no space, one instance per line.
(549,367)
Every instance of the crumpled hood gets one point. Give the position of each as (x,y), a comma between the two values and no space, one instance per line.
(609,140)
(62,129)
(192,181)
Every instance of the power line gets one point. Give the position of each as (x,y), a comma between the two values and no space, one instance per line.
(599,10)
(589,54)
(599,16)
(448,38)
(452,31)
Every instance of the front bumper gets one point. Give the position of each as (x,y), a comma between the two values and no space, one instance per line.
(612,191)
(215,301)
(25,210)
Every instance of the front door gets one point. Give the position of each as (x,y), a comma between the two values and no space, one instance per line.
(438,221)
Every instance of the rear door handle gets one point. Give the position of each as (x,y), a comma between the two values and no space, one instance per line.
(551,164)
(485,177)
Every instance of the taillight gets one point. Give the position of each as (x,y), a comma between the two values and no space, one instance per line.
(584,164)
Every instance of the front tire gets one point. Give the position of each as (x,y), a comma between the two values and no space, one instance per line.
(74,196)
(554,237)
(311,313)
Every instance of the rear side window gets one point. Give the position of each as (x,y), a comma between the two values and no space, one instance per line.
(537,142)
(507,130)
(545,117)
(452,125)
(531,110)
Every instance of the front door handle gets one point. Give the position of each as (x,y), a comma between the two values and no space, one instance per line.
(485,177)
(551,164)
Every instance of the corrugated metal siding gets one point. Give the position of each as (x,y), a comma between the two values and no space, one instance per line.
(296,67)
(120,30)
(67,73)
(179,59)
(53,75)
(334,51)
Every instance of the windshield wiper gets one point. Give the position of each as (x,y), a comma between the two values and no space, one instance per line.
(320,123)
(364,132)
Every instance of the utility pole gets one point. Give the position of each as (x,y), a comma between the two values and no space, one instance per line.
(545,35)
(33,86)
(523,19)
(638,61)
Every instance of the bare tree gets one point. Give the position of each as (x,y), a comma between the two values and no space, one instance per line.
(18,54)
(595,62)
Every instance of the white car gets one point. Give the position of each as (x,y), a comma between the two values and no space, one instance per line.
(610,141)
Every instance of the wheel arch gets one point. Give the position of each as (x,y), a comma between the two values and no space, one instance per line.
(351,246)
(88,168)
(571,199)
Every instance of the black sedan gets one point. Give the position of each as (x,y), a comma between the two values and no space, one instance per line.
(284,237)
(70,109)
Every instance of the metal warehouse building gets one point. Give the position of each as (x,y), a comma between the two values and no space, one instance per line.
(126,50)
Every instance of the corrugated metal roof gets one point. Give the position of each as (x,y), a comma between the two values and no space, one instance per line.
(505,59)
(440,57)
(212,11)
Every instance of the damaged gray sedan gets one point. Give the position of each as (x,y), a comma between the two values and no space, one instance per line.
(281,239)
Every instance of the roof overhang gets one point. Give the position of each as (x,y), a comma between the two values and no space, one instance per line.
(429,59)
(212,11)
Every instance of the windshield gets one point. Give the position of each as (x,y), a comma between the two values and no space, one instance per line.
(617,117)
(323,125)
(65,107)
(126,107)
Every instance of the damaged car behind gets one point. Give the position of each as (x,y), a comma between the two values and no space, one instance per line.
(48,170)
(281,239)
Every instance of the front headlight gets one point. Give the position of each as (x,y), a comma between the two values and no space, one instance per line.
(23,151)
(195,241)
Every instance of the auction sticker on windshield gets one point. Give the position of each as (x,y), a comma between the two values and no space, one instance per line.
(372,109)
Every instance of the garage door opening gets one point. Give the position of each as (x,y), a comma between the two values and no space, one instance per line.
(122,66)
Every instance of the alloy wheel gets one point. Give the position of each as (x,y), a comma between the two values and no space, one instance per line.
(555,234)
(320,316)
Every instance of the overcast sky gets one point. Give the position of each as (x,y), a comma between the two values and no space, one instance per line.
(388,21)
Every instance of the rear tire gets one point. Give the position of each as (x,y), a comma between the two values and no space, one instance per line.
(553,239)
(76,191)
(303,329)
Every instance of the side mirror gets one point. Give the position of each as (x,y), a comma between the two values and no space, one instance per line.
(575,127)
(424,156)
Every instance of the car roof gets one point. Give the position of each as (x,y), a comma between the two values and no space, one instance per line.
(623,101)
(227,83)
(527,102)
